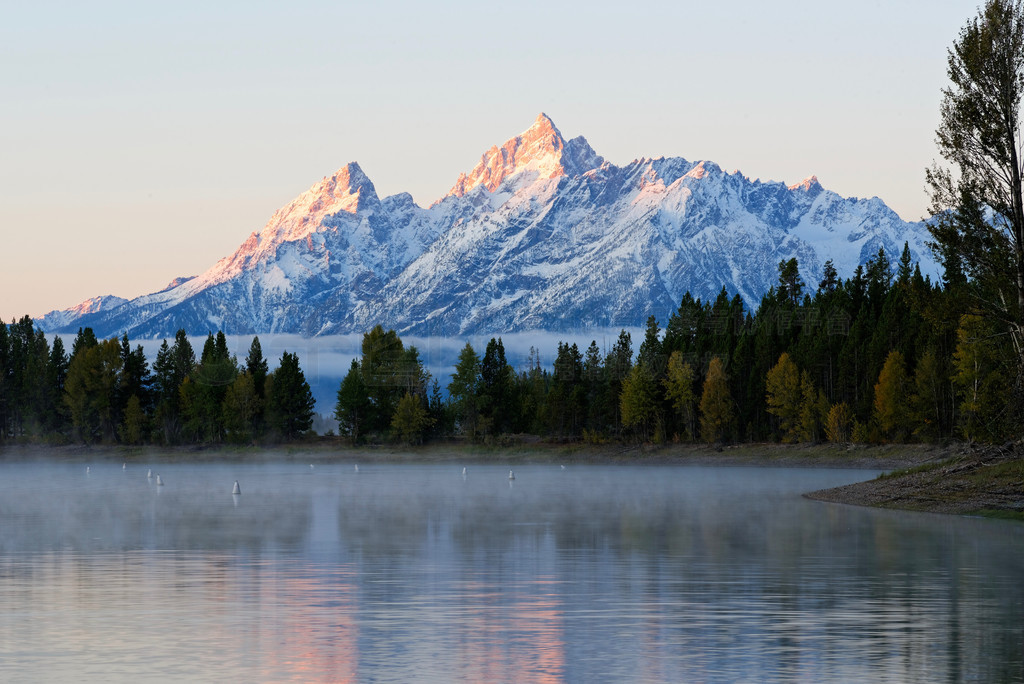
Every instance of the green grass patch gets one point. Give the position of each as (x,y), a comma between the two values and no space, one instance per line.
(914,470)
(1007,471)
(1001,514)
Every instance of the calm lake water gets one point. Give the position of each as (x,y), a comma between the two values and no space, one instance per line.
(400,573)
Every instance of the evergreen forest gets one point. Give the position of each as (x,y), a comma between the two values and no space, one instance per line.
(886,356)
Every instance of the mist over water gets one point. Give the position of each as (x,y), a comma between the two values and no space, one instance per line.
(416,573)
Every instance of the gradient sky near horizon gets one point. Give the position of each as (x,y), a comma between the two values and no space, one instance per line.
(144,141)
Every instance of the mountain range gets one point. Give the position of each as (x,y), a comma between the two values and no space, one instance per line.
(542,234)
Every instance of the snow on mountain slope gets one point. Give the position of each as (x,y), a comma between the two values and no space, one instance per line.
(539,150)
(541,234)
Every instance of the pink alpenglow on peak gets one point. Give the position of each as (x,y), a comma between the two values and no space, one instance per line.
(98,304)
(806,184)
(540,148)
(348,190)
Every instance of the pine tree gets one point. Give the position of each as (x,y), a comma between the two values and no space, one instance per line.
(617,367)
(651,354)
(353,407)
(830,278)
(464,390)
(203,399)
(290,401)
(5,381)
(136,379)
(566,408)
(442,423)
(85,339)
(27,359)
(90,390)
(256,367)
(56,376)
(496,388)
(594,381)
(791,285)
(383,370)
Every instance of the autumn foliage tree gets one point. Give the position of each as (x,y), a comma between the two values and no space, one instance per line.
(783,396)
(892,395)
(717,412)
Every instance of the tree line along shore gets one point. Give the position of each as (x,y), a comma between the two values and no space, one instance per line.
(886,356)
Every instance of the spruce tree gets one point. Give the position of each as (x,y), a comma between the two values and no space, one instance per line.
(496,389)
(352,409)
(256,367)
(464,391)
(56,376)
(5,380)
(290,401)
(383,375)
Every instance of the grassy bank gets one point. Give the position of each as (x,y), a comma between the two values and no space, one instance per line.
(971,481)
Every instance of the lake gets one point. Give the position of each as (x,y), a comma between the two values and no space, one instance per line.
(402,573)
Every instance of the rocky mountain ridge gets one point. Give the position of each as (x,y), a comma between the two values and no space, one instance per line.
(542,234)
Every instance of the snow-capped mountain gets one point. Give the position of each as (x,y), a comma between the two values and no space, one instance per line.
(543,234)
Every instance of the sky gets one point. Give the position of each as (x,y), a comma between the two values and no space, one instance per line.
(140,142)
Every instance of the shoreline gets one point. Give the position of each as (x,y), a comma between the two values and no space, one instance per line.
(875,457)
(975,480)
(957,479)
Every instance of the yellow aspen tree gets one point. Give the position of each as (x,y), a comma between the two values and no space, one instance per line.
(678,384)
(783,394)
(892,398)
(839,423)
(717,413)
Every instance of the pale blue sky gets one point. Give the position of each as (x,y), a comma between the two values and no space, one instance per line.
(142,141)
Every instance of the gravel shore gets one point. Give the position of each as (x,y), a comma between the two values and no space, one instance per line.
(974,480)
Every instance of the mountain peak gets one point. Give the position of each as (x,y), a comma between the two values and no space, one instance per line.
(349,189)
(540,148)
(809,183)
(543,125)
